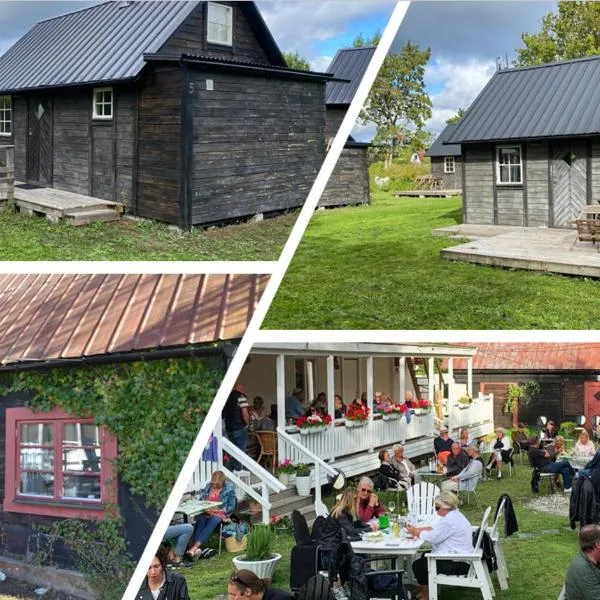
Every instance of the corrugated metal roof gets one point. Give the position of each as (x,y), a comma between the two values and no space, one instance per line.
(46,317)
(350,64)
(103,43)
(438,148)
(534,357)
(557,99)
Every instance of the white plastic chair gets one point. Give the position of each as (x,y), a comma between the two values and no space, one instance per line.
(478,575)
(420,498)
(563,594)
(502,571)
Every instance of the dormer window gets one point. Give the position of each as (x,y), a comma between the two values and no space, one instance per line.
(219,24)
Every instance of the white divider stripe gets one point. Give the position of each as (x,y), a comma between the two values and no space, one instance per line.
(286,256)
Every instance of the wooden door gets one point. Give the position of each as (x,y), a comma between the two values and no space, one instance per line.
(569,181)
(592,401)
(39,146)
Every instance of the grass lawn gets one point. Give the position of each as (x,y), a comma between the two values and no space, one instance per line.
(379,267)
(23,238)
(537,561)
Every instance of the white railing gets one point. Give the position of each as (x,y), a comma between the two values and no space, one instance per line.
(298,453)
(480,412)
(340,441)
(268,483)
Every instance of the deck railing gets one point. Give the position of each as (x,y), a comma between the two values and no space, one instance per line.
(7,176)
(472,416)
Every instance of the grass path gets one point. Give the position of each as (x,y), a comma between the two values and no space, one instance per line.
(23,238)
(379,267)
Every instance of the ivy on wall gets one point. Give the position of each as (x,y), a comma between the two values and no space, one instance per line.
(155,410)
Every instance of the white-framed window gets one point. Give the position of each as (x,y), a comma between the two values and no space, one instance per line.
(509,165)
(219,24)
(449,164)
(103,103)
(5,115)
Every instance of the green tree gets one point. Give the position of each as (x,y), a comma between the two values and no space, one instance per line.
(457,118)
(295,61)
(398,101)
(360,41)
(572,32)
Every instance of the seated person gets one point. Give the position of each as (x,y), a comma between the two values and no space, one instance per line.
(519,438)
(408,471)
(549,432)
(584,446)
(178,536)
(443,445)
(387,470)
(457,460)
(247,585)
(451,535)
(467,479)
(218,490)
(501,452)
(294,406)
(541,461)
(464,439)
(557,447)
(162,583)
(367,503)
(594,463)
(377,408)
(340,407)
(408,399)
(582,581)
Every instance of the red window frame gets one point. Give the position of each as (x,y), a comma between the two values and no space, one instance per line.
(56,506)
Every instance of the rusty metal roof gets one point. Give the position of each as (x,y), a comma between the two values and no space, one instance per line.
(44,317)
(534,357)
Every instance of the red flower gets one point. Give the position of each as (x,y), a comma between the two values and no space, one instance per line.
(403,407)
(423,403)
(301,421)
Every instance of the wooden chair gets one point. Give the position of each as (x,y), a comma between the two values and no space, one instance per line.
(588,230)
(478,575)
(420,498)
(267,440)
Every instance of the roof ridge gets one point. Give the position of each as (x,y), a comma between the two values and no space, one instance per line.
(371,47)
(550,64)
(73,12)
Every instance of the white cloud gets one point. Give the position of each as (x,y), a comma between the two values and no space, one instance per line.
(458,83)
(298,25)
(320,63)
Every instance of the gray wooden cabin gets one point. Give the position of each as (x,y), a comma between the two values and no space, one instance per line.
(349,182)
(531,145)
(446,160)
(185,111)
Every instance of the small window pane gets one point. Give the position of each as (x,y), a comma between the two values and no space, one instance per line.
(219,24)
(504,174)
(37,459)
(82,460)
(75,486)
(37,434)
(79,434)
(36,484)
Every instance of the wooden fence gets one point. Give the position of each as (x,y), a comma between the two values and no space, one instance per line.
(7,176)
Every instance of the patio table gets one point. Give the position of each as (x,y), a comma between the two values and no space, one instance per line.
(193,508)
(577,462)
(426,472)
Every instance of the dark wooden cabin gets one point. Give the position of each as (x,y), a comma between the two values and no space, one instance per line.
(568,375)
(349,182)
(531,146)
(66,321)
(184,111)
(446,160)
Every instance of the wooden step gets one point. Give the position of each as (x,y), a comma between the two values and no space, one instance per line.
(84,217)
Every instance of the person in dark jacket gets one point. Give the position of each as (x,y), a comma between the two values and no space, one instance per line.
(246,585)
(457,460)
(443,445)
(582,581)
(162,583)
(388,470)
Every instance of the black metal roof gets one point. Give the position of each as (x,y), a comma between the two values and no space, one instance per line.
(349,64)
(439,148)
(552,100)
(104,43)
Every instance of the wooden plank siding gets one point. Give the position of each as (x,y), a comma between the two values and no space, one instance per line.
(595,171)
(510,205)
(349,182)
(190,38)
(537,184)
(333,119)
(479,183)
(20,136)
(257,144)
(452,181)
(159,139)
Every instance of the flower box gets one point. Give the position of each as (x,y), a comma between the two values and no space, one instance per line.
(463,406)
(352,423)
(390,416)
(314,429)
(420,412)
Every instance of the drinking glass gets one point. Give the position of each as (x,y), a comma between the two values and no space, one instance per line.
(392,506)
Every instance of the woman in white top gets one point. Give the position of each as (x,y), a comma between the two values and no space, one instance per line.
(501,452)
(451,535)
(584,446)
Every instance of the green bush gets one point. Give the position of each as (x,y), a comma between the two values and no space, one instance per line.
(567,429)
(402,174)
(260,543)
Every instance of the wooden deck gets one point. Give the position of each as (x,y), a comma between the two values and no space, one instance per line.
(58,205)
(429,193)
(548,250)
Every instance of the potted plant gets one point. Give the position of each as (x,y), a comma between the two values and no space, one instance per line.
(259,556)
(303,479)
(464,402)
(393,411)
(281,525)
(422,407)
(284,470)
(313,423)
(356,416)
